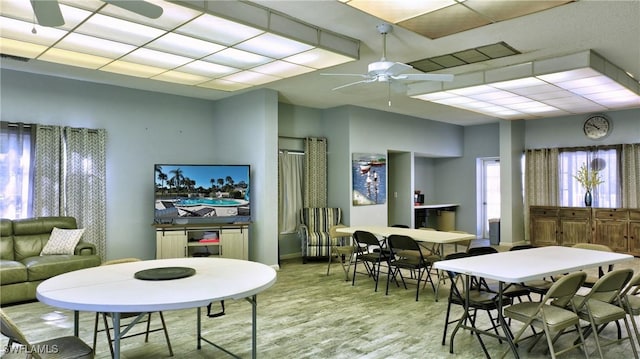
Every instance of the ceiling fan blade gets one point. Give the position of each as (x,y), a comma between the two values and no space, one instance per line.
(397,68)
(47,12)
(425,77)
(139,7)
(357,75)
(351,84)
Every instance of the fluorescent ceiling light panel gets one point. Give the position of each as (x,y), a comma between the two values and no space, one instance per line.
(318,58)
(251,78)
(181,78)
(119,30)
(20,30)
(282,69)
(224,85)
(173,15)
(19,48)
(132,69)
(204,68)
(237,58)
(94,46)
(191,43)
(184,45)
(559,90)
(273,46)
(156,58)
(74,58)
(218,30)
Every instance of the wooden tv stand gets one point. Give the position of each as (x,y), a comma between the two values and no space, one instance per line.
(179,241)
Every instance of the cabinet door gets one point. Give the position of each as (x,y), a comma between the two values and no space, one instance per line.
(170,244)
(543,226)
(611,233)
(610,228)
(575,226)
(634,237)
(234,243)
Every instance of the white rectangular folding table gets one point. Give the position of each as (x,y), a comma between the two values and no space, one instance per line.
(522,266)
(439,238)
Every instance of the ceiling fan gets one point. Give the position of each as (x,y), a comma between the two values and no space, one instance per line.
(48,11)
(388,71)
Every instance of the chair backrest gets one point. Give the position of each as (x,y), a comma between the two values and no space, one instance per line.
(320,219)
(593,246)
(521,247)
(633,287)
(564,289)
(608,288)
(478,251)
(399,243)
(366,238)
(9,329)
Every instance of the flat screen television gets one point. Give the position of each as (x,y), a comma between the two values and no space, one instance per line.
(192,193)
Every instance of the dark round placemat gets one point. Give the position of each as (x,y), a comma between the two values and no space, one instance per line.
(165,273)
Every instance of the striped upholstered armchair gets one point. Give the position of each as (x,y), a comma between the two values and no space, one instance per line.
(314,230)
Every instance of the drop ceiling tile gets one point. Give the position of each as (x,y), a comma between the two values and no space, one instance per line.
(499,10)
(426,65)
(470,56)
(443,22)
(498,50)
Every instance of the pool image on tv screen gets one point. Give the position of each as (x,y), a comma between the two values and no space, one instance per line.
(201,193)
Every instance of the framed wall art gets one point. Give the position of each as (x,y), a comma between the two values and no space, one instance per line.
(369,173)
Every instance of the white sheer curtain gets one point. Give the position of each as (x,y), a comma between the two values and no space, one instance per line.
(607,194)
(631,175)
(290,179)
(16,170)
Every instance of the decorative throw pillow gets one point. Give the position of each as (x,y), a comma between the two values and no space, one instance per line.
(62,241)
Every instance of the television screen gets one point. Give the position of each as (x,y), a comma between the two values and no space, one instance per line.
(202,193)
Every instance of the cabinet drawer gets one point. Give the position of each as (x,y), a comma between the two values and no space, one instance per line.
(543,212)
(574,213)
(634,215)
(610,214)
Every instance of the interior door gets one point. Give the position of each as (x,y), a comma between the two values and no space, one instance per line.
(490,192)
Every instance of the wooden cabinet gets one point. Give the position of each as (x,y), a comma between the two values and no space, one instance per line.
(634,232)
(610,228)
(575,226)
(617,228)
(225,240)
(543,230)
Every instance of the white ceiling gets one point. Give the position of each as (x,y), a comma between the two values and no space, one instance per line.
(609,27)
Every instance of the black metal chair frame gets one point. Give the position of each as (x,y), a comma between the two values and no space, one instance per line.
(406,253)
(371,252)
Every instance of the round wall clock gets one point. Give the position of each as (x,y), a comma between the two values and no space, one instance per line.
(596,127)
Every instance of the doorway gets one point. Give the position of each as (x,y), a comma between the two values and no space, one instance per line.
(489,186)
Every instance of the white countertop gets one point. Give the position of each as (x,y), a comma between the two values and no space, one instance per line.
(113,288)
(436,206)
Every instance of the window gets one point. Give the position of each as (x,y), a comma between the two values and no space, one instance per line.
(16,171)
(604,160)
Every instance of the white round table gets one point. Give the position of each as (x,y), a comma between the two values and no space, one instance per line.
(113,288)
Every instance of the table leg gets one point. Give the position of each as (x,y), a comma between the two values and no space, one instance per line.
(254,330)
(503,323)
(116,335)
(76,323)
(199,328)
